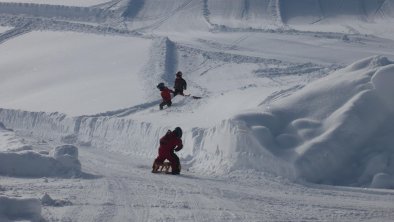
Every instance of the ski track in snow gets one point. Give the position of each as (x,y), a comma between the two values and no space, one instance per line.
(125,190)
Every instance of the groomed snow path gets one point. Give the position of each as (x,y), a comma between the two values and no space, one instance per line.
(125,190)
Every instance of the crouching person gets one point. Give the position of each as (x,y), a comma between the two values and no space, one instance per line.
(169,144)
(165,95)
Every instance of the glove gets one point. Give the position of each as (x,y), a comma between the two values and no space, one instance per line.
(178,148)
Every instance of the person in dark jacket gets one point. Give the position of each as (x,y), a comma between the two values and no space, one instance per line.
(180,84)
(165,95)
(169,143)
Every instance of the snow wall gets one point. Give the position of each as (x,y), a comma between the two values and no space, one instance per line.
(218,150)
(260,13)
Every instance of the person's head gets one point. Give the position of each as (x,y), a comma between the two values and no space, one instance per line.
(178,132)
(161,86)
(179,74)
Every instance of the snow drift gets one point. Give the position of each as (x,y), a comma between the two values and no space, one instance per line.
(337,129)
(16,209)
(62,163)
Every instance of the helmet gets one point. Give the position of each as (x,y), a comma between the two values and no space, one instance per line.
(178,132)
(179,73)
(160,85)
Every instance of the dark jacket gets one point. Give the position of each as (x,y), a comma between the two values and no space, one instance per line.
(180,84)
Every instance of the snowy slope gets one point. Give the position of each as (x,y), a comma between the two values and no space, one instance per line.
(337,128)
(62,69)
(296,103)
(82,3)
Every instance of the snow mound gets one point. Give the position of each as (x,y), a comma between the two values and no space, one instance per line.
(63,163)
(12,209)
(336,130)
(232,146)
(383,81)
(383,180)
(47,200)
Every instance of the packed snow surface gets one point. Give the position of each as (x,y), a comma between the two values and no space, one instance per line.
(83,3)
(58,70)
(289,113)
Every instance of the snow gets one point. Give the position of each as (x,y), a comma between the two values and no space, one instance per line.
(15,209)
(39,164)
(325,143)
(3,29)
(82,3)
(57,68)
(294,121)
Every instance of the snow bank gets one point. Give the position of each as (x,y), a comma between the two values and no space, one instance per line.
(63,162)
(12,209)
(225,147)
(232,146)
(382,180)
(54,11)
(336,130)
(59,2)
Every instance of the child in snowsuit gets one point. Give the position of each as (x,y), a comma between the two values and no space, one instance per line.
(180,84)
(165,95)
(168,144)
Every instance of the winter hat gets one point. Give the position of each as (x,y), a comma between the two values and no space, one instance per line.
(178,132)
(160,85)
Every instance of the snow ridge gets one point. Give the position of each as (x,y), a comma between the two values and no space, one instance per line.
(56,11)
(15,32)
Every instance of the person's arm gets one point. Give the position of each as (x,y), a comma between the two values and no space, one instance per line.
(184,85)
(178,148)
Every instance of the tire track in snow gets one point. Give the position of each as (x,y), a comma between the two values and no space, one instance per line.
(123,201)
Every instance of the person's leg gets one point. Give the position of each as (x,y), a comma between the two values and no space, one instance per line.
(174,160)
(162,104)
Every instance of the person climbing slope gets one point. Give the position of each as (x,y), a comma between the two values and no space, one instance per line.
(169,143)
(165,95)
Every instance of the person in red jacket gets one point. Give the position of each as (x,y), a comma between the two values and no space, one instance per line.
(168,144)
(165,95)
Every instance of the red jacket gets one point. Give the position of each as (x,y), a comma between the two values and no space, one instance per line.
(170,142)
(166,94)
